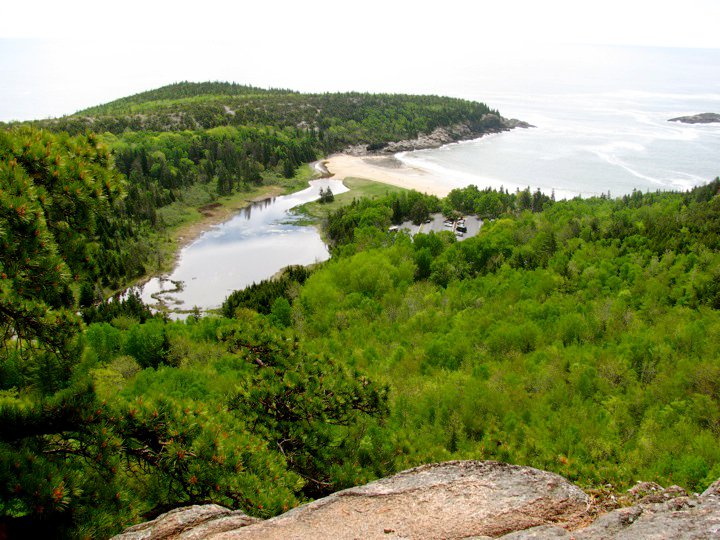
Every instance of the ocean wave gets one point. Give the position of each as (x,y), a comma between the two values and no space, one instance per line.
(612,95)
(614,160)
(459,179)
(645,94)
(616,145)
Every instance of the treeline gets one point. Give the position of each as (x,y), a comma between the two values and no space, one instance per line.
(268,296)
(180,90)
(490,203)
(337,120)
(161,168)
(395,208)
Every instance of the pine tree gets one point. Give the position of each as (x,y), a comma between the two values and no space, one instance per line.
(51,190)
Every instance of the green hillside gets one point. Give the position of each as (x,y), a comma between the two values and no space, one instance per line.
(337,120)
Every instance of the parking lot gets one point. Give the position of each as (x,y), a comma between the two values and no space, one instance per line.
(437,224)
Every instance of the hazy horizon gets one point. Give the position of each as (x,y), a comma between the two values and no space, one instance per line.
(36,86)
(57,59)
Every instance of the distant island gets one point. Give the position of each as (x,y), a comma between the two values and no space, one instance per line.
(702,118)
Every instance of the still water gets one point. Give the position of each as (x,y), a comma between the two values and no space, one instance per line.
(260,240)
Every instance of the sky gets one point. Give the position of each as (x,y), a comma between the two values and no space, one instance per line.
(60,57)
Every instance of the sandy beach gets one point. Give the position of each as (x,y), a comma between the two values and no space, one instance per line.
(389,170)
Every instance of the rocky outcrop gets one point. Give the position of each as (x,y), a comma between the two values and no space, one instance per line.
(189,523)
(490,123)
(678,518)
(454,500)
(703,118)
(451,500)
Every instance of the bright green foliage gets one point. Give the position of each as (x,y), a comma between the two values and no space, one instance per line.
(53,189)
(281,313)
(148,344)
(582,339)
(311,408)
(245,418)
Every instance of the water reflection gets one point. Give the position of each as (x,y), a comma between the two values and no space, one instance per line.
(254,245)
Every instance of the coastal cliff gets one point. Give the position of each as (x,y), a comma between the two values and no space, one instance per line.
(460,499)
(491,123)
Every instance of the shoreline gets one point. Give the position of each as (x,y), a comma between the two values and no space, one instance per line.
(375,168)
(440,136)
(384,166)
(213,214)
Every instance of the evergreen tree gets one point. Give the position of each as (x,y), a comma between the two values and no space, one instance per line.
(51,190)
(326,196)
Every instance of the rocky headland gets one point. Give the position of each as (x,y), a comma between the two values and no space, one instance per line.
(702,118)
(491,123)
(461,499)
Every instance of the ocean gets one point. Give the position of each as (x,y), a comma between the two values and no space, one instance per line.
(601,117)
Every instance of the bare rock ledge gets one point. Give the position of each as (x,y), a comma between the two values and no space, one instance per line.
(454,500)
(702,118)
(440,136)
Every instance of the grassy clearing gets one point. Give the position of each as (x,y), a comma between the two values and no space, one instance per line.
(359,188)
(303,175)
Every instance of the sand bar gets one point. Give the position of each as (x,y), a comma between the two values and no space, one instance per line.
(388,170)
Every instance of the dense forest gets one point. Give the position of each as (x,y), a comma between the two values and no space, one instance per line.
(334,120)
(579,336)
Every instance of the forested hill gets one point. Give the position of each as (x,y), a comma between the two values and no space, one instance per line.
(337,120)
(176,91)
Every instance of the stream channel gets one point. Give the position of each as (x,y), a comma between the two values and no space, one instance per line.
(255,244)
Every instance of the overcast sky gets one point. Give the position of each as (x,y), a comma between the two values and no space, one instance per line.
(58,57)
